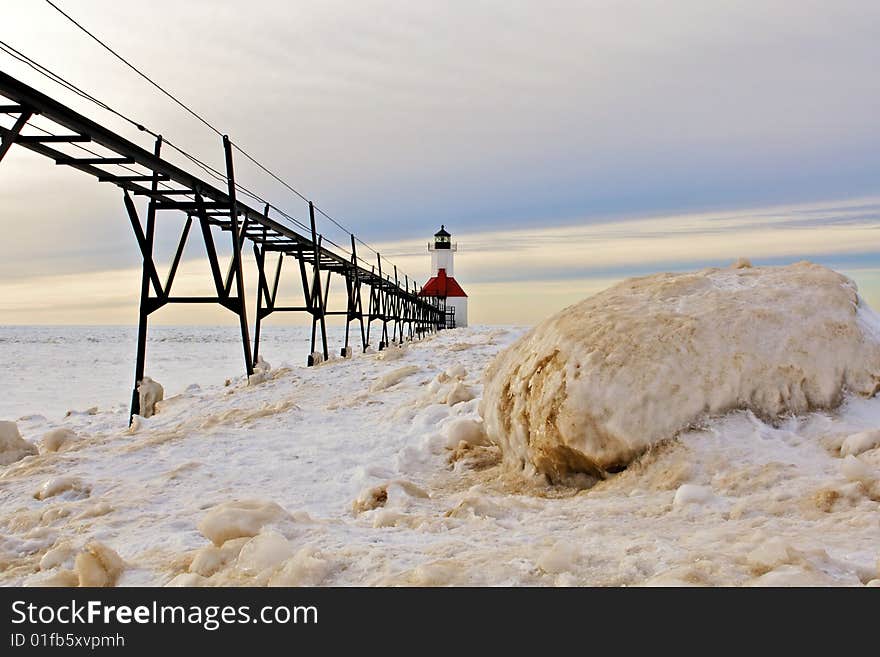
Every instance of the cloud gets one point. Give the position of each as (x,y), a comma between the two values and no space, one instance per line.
(511,276)
(562,141)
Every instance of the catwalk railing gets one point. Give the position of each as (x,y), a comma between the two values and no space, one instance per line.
(394,304)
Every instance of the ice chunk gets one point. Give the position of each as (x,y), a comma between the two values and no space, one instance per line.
(860,442)
(149,393)
(61,578)
(97,565)
(793,576)
(370,498)
(459,393)
(393,378)
(210,559)
(392,353)
(378,496)
(56,439)
(62,484)
(239,518)
(594,386)
(475,503)
(57,556)
(187,580)
(264,551)
(444,572)
(12,446)
(465,430)
(457,371)
(305,568)
(771,554)
(261,372)
(561,557)
(692,494)
(855,470)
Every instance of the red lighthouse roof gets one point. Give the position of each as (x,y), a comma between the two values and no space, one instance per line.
(442,285)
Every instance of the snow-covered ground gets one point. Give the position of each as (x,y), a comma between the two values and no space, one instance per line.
(371,471)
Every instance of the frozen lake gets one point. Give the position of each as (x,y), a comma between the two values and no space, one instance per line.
(49,370)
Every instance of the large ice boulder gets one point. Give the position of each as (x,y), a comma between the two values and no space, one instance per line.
(594,386)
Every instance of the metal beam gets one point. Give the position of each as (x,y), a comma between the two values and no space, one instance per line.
(119,179)
(236,258)
(51,139)
(212,206)
(8,137)
(95,160)
(148,273)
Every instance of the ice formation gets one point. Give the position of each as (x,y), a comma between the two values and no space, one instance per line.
(93,564)
(393,352)
(12,446)
(208,560)
(266,550)
(459,393)
(860,442)
(261,372)
(394,377)
(692,494)
(57,556)
(594,386)
(449,388)
(62,484)
(305,568)
(370,498)
(56,439)
(97,565)
(465,430)
(239,518)
(149,393)
(401,488)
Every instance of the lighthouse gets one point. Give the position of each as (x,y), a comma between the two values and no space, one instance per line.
(443,284)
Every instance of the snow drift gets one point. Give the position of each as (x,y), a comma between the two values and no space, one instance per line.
(594,386)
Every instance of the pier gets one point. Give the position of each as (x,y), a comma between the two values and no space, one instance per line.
(394,309)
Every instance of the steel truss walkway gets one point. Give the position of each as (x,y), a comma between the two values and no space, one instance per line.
(169,188)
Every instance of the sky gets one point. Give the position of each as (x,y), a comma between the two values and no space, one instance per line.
(566,145)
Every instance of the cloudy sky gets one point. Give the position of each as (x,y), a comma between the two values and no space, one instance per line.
(565,144)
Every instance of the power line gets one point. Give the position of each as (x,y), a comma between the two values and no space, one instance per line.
(243,152)
(177,101)
(164,184)
(207,168)
(51,75)
(203,120)
(132,66)
(39,68)
(85,149)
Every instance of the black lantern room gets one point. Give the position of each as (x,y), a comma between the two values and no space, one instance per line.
(442,238)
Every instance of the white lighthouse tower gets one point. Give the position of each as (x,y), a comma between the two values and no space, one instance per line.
(443,284)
